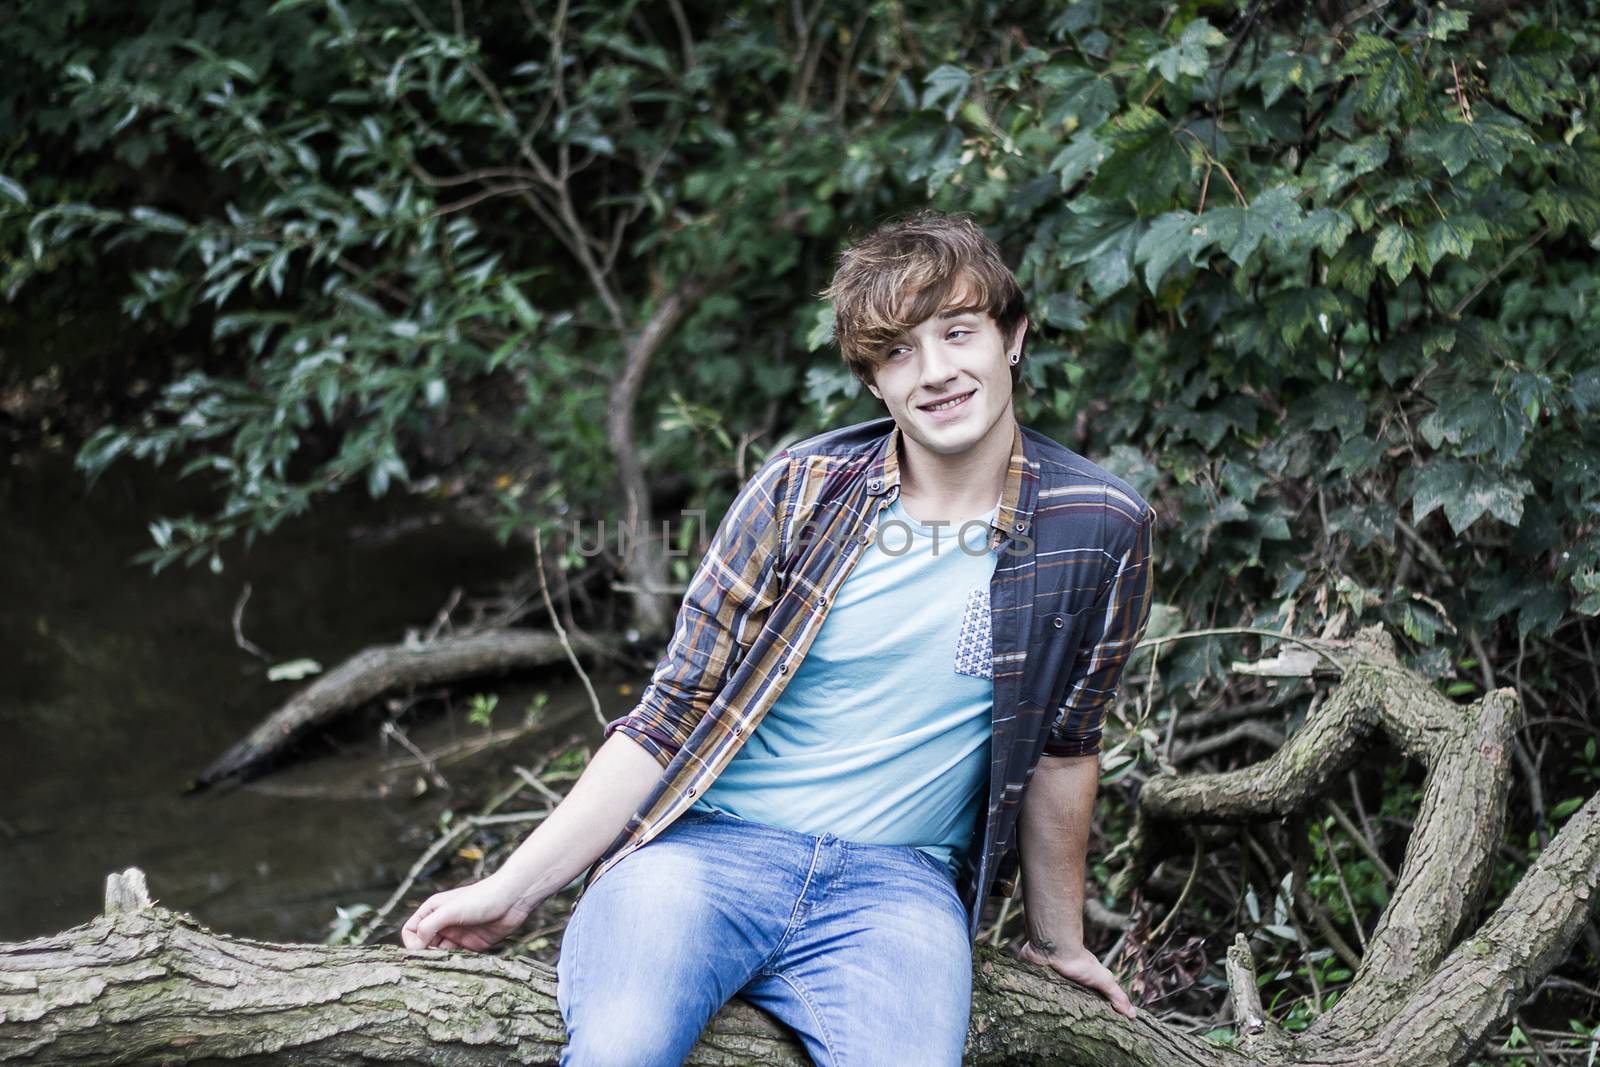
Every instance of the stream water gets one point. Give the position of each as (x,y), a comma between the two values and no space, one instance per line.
(117,687)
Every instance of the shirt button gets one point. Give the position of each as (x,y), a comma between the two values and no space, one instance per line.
(874,485)
(737,729)
(692,791)
(1057,623)
(822,601)
(783,668)
(862,539)
(1020,527)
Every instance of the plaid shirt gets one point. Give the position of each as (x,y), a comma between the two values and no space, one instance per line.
(1069,600)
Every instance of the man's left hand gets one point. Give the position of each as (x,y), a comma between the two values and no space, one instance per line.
(1080,965)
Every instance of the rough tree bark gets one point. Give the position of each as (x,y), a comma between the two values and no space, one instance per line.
(374,671)
(142,984)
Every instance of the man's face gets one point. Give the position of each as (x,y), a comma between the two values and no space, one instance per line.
(959,357)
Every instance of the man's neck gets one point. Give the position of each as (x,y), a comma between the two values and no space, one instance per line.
(935,487)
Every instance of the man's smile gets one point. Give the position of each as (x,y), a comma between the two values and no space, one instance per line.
(952,403)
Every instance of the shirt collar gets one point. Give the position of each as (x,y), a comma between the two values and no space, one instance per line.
(1013,518)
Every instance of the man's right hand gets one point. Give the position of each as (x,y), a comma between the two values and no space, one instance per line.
(571,838)
(474,916)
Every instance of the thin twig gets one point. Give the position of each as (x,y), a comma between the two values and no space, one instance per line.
(1357,15)
(442,618)
(1489,279)
(450,837)
(1188,884)
(238,629)
(1219,631)
(1005,913)
(561,633)
(479,197)
(483,818)
(538,786)
(459,750)
(391,730)
(1312,908)
(1528,1035)
(1364,844)
(445,181)
(1344,889)
(1212,161)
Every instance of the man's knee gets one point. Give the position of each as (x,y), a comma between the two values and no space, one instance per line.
(629,1035)
(616,1046)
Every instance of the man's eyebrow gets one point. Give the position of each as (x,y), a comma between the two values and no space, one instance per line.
(952,313)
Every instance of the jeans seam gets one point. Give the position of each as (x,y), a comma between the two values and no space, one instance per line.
(788,932)
(822,1026)
(568,940)
(934,864)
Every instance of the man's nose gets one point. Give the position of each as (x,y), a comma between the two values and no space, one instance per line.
(938,365)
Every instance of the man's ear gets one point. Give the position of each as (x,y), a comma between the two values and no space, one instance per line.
(1015,344)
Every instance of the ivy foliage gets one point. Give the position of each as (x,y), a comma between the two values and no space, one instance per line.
(1318,280)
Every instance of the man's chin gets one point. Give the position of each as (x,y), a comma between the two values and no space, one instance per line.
(953,441)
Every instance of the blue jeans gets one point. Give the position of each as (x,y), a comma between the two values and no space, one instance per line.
(861,949)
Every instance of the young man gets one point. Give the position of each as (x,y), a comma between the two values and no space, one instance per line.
(883,694)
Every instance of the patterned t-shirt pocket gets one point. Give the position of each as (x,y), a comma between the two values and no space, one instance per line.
(974,648)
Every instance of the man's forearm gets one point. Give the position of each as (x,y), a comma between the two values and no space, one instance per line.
(1053,838)
(617,780)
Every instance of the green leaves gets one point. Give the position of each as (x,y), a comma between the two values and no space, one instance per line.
(1169,238)
(1102,238)
(1146,162)
(1078,158)
(1260,269)
(1316,309)
(946,85)
(1327,229)
(1490,140)
(1453,236)
(1477,422)
(1350,161)
(1466,492)
(1064,311)
(1283,71)
(1390,81)
(1190,57)
(1078,98)
(1238,231)
(1395,250)
(1533,73)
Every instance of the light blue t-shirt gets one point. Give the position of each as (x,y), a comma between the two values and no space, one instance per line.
(882,736)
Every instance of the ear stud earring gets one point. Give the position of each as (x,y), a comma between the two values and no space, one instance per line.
(1015,357)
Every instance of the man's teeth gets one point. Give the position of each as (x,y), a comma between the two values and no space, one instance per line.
(949,403)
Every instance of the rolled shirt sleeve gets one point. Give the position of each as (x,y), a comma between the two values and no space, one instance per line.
(723,610)
(1115,626)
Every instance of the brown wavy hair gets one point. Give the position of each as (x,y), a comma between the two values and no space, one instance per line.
(906,271)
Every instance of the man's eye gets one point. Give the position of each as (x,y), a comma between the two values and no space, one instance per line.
(952,333)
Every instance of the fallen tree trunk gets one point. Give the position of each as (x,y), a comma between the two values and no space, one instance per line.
(376,670)
(142,984)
